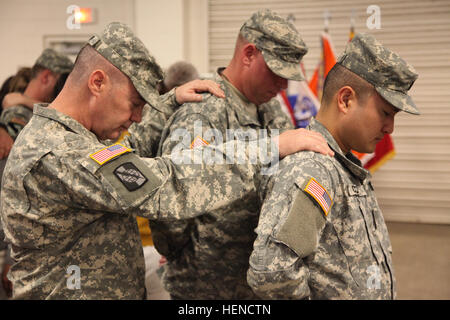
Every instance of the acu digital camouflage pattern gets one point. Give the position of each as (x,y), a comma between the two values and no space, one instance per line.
(279,41)
(391,76)
(299,253)
(208,255)
(125,51)
(54,61)
(61,209)
(145,136)
(15,118)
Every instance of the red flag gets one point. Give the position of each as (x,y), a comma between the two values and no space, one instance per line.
(384,151)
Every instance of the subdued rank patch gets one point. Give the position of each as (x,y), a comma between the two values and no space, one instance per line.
(104,155)
(320,194)
(130,176)
(198,142)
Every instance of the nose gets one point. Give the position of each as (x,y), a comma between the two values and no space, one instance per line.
(389,125)
(136,116)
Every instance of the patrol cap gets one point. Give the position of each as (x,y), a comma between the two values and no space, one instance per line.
(126,52)
(278,40)
(54,61)
(391,76)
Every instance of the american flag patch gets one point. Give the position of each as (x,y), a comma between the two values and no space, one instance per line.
(108,153)
(198,142)
(320,194)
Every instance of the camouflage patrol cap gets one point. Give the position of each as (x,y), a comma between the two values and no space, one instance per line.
(391,76)
(278,40)
(54,61)
(126,52)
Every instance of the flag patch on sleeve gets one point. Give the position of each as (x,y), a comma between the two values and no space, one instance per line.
(320,194)
(198,142)
(104,155)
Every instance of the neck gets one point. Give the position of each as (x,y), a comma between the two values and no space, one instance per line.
(330,121)
(71,103)
(233,76)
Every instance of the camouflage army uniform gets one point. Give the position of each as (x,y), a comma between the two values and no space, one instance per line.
(321,233)
(70,215)
(13,119)
(208,256)
(299,253)
(146,135)
(198,257)
(66,209)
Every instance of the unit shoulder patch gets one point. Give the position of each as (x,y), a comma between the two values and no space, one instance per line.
(130,176)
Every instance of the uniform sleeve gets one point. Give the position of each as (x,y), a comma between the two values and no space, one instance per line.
(15,118)
(145,136)
(3,247)
(170,237)
(160,188)
(288,233)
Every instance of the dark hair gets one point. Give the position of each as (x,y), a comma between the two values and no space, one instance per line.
(339,77)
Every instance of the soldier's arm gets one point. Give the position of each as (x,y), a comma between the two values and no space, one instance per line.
(290,226)
(146,135)
(15,98)
(14,119)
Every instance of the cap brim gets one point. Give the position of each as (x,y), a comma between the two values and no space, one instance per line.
(399,100)
(284,69)
(151,96)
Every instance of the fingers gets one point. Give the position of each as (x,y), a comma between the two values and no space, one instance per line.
(292,141)
(210,86)
(188,92)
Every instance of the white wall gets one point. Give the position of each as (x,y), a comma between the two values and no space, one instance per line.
(25,23)
(159,24)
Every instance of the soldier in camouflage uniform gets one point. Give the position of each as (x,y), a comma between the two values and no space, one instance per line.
(208,256)
(321,233)
(69,203)
(50,64)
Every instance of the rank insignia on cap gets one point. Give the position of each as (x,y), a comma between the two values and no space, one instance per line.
(315,190)
(130,176)
(104,155)
(198,142)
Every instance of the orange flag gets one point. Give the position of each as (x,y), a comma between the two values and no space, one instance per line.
(327,61)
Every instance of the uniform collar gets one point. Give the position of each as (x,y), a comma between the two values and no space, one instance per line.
(247,112)
(348,160)
(40,109)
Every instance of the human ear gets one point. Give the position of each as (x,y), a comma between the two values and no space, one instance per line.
(97,82)
(345,98)
(249,51)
